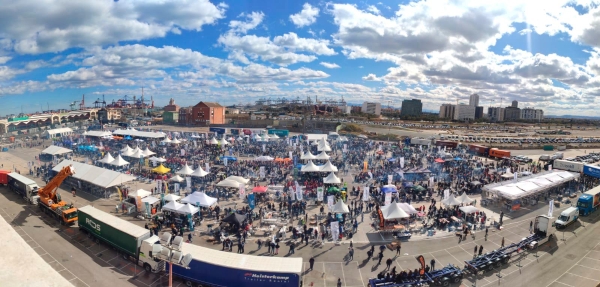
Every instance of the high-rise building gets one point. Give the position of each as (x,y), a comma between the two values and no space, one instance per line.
(515,104)
(371,108)
(474,100)
(496,114)
(412,107)
(478,112)
(512,113)
(447,111)
(532,114)
(464,112)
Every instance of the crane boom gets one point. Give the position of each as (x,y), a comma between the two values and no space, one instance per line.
(48,192)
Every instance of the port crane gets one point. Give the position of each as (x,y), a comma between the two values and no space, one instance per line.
(50,201)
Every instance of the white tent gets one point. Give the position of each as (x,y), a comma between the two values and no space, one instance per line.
(214,141)
(229,183)
(240,139)
(238,179)
(176,141)
(310,167)
(138,154)
(327,167)
(463,198)
(119,161)
(150,200)
(107,158)
(393,211)
(126,148)
(157,159)
(172,206)
(140,192)
(340,207)
(171,197)
(468,209)
(223,142)
(186,170)
(331,178)
(56,150)
(451,201)
(98,176)
(187,209)
(323,145)
(323,156)
(264,158)
(176,178)
(508,175)
(166,140)
(308,155)
(200,198)
(407,208)
(199,173)
(274,136)
(130,152)
(148,152)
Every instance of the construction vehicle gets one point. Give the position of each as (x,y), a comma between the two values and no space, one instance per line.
(50,202)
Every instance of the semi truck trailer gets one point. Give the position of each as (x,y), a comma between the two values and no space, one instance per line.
(589,201)
(23,186)
(133,242)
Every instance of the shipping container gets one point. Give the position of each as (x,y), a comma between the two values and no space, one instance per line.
(568,165)
(220,131)
(498,153)
(279,133)
(4,176)
(447,144)
(420,141)
(479,149)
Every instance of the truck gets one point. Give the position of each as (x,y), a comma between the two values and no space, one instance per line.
(498,153)
(50,202)
(208,267)
(279,133)
(420,141)
(557,155)
(132,242)
(23,186)
(4,176)
(567,217)
(589,201)
(568,165)
(479,149)
(447,144)
(220,131)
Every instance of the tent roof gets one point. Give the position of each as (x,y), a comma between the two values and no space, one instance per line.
(264,158)
(157,159)
(199,173)
(138,154)
(176,178)
(171,197)
(468,209)
(107,158)
(166,140)
(200,198)
(223,142)
(140,134)
(187,209)
(56,150)
(119,161)
(58,131)
(464,198)
(235,218)
(172,206)
(308,155)
(98,134)
(451,201)
(150,199)
(229,183)
(140,192)
(340,207)
(148,152)
(329,167)
(186,170)
(214,141)
(393,211)
(322,155)
(161,169)
(407,207)
(238,179)
(331,178)
(310,167)
(126,148)
(95,175)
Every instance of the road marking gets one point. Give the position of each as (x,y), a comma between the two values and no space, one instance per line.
(582,277)
(576,263)
(343,275)
(459,261)
(563,283)
(588,267)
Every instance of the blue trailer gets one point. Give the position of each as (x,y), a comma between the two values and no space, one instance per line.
(220,131)
(217,268)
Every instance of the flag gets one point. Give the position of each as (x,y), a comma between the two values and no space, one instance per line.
(390,178)
(388,198)
(251,201)
(207,167)
(402,162)
(366,194)
(551,208)
(320,193)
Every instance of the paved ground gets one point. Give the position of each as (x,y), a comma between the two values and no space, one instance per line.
(86,263)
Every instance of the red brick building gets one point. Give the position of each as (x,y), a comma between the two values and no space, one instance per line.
(202,114)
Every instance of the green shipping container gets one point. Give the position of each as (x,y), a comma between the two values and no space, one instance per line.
(123,235)
(548,147)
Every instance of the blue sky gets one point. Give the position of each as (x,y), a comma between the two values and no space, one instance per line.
(546,56)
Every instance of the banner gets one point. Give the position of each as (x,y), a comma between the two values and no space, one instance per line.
(292,193)
(365,166)
(162,199)
(164,150)
(138,203)
(299,191)
(431,182)
(335,230)
(551,208)
(195,144)
(120,194)
(320,190)
(390,178)
(345,149)
(330,201)
(515,176)
(401,173)
(388,198)
(188,181)
(290,154)
(262,172)
(242,190)
(225,161)
(207,167)
(182,152)
(251,201)
(264,147)
(446,193)
(402,162)
(176,187)
(190,222)
(148,209)
(365,194)
(159,186)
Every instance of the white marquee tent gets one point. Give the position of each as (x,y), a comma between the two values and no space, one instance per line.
(340,207)
(308,155)
(107,158)
(331,178)
(187,209)
(328,167)
(119,161)
(310,167)
(171,197)
(186,170)
(393,211)
(56,150)
(98,176)
(172,206)
(200,198)
(140,192)
(199,173)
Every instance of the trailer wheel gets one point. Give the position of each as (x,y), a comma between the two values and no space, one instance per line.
(189,283)
(498,263)
(147,267)
(445,283)
(456,279)
(490,267)
(505,260)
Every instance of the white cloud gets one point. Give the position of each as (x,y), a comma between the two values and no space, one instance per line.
(371,77)
(4,59)
(254,19)
(39,26)
(329,65)
(292,41)
(264,48)
(306,17)
(373,10)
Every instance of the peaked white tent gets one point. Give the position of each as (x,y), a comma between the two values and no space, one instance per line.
(331,178)
(176,178)
(126,148)
(138,154)
(451,201)
(308,155)
(214,141)
(150,200)
(140,192)
(310,167)
(223,142)
(238,179)
(264,158)
(119,161)
(166,140)
(199,173)
(328,167)
(172,206)
(463,198)
(107,158)
(157,159)
(229,183)
(340,207)
(187,209)
(176,141)
(393,211)
(186,170)
(323,156)
(200,198)
(148,152)
(407,208)
(172,197)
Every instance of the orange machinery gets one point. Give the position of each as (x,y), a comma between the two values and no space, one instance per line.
(50,201)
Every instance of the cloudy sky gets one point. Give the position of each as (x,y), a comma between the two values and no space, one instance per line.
(542,53)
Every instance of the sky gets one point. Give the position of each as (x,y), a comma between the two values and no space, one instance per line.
(543,54)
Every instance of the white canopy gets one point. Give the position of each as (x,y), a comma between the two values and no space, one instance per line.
(238,179)
(407,208)
(107,158)
(187,209)
(172,206)
(150,200)
(147,152)
(138,154)
(229,183)
(329,167)
(199,173)
(98,176)
(508,175)
(157,159)
(126,148)
(263,158)
(340,207)
(323,156)
(463,198)
(166,140)
(119,161)
(140,192)
(451,201)
(56,150)
(186,170)
(324,148)
(171,197)
(214,141)
(223,142)
(273,136)
(98,134)
(139,134)
(129,152)
(176,141)
(393,211)
(310,167)
(176,178)
(468,209)
(331,178)
(200,198)
(308,155)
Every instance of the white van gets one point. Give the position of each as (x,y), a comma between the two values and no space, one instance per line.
(567,217)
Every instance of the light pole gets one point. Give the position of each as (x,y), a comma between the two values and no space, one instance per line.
(170,253)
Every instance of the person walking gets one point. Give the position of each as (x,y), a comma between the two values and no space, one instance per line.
(480,249)
(501,216)
(259,242)
(398,249)
(351,254)
(311,261)
(388,263)
(474,251)
(432,264)
(276,248)
(292,246)
(380,257)
(190,237)
(530,226)
(269,247)
(502,245)
(339,283)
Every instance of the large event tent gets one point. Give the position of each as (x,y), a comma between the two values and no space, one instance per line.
(107,158)
(200,198)
(393,211)
(56,150)
(119,161)
(328,167)
(310,167)
(98,176)
(172,206)
(186,170)
(331,178)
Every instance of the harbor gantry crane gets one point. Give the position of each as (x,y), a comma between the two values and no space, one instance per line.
(50,200)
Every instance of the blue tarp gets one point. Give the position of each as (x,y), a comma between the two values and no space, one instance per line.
(229,158)
(388,190)
(392,160)
(457,158)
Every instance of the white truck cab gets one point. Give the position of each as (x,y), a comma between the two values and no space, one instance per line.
(567,217)
(543,227)
(146,258)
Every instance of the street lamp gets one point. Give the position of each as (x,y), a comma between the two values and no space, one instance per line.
(171,253)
